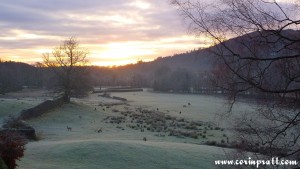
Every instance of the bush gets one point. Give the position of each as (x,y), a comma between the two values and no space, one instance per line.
(12,146)
(14,122)
(2,164)
(16,125)
(211,143)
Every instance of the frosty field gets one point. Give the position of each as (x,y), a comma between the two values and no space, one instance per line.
(119,145)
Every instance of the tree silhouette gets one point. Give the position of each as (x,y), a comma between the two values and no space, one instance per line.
(262,59)
(68,61)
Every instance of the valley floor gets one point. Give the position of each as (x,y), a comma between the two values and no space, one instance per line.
(97,141)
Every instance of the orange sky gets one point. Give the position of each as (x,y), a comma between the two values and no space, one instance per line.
(116,32)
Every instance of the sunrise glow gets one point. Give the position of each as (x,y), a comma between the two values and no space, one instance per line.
(114,33)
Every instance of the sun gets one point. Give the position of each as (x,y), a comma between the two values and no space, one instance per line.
(121,53)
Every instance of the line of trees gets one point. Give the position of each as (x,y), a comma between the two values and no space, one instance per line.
(181,80)
(13,76)
(65,69)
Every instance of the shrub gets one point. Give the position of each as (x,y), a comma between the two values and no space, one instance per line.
(12,146)
(2,164)
(16,125)
(217,128)
(14,122)
(211,143)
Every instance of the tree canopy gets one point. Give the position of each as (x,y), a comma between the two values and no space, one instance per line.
(257,48)
(68,61)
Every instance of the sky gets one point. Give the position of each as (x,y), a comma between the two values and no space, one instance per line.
(116,32)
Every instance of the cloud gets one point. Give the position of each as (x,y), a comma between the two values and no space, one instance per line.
(34,24)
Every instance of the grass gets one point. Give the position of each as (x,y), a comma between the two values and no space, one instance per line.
(85,154)
(84,147)
(14,106)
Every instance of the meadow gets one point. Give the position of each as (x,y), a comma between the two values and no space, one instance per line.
(99,132)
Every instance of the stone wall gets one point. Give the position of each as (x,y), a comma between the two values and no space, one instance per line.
(41,108)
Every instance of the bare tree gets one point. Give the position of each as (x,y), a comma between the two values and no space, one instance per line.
(261,59)
(67,60)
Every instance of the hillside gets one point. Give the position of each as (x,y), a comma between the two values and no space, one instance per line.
(194,65)
(202,60)
(196,61)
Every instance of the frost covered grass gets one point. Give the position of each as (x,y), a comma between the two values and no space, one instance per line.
(202,107)
(84,147)
(107,154)
(81,134)
(15,106)
(13,103)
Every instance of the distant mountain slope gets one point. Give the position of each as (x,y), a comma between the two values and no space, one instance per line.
(200,60)
(203,60)
(194,61)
